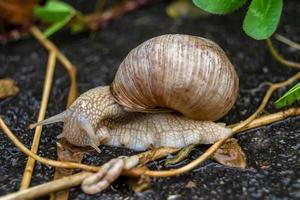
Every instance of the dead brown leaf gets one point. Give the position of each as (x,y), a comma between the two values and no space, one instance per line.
(140,184)
(16,11)
(231,154)
(8,87)
(190,184)
(67,152)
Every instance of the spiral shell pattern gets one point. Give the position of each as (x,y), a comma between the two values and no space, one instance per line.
(184,73)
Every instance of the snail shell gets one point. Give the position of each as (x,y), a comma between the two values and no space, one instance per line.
(188,74)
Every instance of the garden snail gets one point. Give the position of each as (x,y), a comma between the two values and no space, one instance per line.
(186,74)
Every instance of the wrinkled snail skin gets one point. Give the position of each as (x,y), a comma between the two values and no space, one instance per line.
(186,74)
(140,131)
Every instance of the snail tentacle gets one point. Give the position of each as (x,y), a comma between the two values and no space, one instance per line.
(94,141)
(56,118)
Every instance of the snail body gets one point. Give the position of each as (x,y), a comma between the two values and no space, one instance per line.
(189,77)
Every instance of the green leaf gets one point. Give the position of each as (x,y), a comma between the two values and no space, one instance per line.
(219,6)
(53,11)
(77,28)
(290,97)
(56,26)
(262,18)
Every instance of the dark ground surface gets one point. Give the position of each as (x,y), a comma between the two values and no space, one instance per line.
(273,170)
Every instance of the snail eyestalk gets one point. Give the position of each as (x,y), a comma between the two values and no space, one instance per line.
(56,118)
(94,141)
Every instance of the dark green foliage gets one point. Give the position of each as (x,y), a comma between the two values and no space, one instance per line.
(57,13)
(261,19)
(219,6)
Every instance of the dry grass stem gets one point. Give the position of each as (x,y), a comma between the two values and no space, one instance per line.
(46,188)
(265,100)
(73,92)
(59,195)
(73,180)
(37,135)
(45,161)
(287,41)
(279,58)
(97,20)
(271,118)
(145,157)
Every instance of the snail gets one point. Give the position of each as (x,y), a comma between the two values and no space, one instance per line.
(166,92)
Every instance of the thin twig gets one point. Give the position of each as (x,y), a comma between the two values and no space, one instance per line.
(72,91)
(279,58)
(71,69)
(61,194)
(72,180)
(271,118)
(265,100)
(145,157)
(96,20)
(287,41)
(37,135)
(72,74)
(52,186)
(53,163)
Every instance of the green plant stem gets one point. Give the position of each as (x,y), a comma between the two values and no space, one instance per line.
(279,58)
(287,41)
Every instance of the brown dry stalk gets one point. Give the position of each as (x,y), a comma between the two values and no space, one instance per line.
(46,188)
(37,135)
(271,118)
(59,195)
(71,69)
(287,41)
(49,77)
(73,87)
(72,180)
(279,58)
(145,157)
(72,91)
(97,20)
(53,163)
